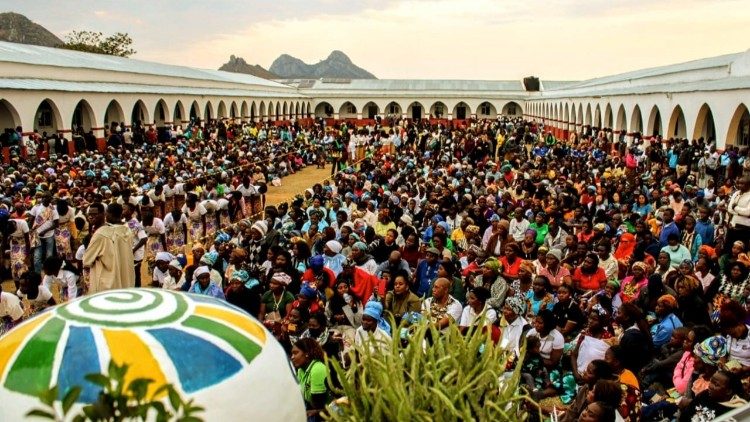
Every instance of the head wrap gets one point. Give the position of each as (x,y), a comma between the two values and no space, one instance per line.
(711,350)
(200,271)
(494,217)
(445,226)
(307,291)
(198,246)
(164,256)
(472,229)
(642,265)
(614,283)
(374,310)
(210,258)
(406,219)
(599,309)
(334,246)
(691,283)
(708,251)
(600,227)
(222,237)
(688,262)
(317,262)
(667,300)
(505,224)
(281,278)
(240,275)
(492,264)
(175,264)
(557,253)
(361,246)
(515,304)
(528,266)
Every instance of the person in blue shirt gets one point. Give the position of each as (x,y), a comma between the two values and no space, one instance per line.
(704,226)
(203,285)
(667,321)
(427,272)
(668,228)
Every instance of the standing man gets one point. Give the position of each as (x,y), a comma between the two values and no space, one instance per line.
(109,255)
(739,212)
(44,222)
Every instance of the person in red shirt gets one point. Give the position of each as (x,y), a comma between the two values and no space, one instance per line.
(588,276)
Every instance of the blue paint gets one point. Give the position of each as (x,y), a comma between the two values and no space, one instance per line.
(80,358)
(199,363)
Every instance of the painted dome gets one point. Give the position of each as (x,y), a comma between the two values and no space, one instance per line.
(209,350)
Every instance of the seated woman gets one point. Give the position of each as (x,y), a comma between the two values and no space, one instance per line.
(593,342)
(540,296)
(588,276)
(477,312)
(596,370)
(692,308)
(401,299)
(633,284)
(630,405)
(720,398)
(317,328)
(666,321)
(312,375)
(568,316)
(344,312)
(551,350)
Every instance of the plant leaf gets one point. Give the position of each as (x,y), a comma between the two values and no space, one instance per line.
(70,398)
(98,379)
(174,398)
(41,414)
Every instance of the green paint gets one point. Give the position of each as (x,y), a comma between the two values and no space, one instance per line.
(182,306)
(247,348)
(91,309)
(32,370)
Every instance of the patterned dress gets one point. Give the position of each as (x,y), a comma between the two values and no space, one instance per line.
(153,242)
(175,233)
(64,237)
(18,253)
(195,221)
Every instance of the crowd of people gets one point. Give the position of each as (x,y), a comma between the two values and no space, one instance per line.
(620,266)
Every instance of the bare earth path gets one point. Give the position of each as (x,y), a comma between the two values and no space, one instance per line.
(296,184)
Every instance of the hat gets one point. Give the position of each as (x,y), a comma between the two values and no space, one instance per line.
(307,291)
(360,246)
(240,275)
(210,258)
(515,304)
(433,251)
(317,262)
(175,264)
(406,219)
(557,253)
(492,264)
(261,227)
(200,271)
(222,237)
(334,246)
(711,350)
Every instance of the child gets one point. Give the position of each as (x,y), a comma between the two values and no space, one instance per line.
(533,371)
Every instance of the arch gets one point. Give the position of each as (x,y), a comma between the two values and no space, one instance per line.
(309,109)
(296,110)
(253,111)
(512,109)
(394,109)
(704,124)
(636,120)
(47,117)
(179,113)
(676,127)
(739,127)
(566,117)
(9,117)
(438,110)
(370,110)
(139,115)
(221,111)
(461,111)
(587,120)
(161,113)
(208,112)
(579,117)
(348,111)
(608,118)
(113,114)
(654,125)
(262,110)
(195,111)
(621,123)
(415,111)
(486,111)
(277,115)
(83,117)
(233,110)
(284,112)
(244,110)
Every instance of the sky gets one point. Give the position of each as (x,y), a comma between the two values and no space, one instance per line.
(417,39)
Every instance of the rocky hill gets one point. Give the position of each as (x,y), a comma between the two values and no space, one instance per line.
(18,28)
(337,65)
(239,65)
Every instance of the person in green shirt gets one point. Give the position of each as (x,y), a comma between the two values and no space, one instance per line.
(540,227)
(308,358)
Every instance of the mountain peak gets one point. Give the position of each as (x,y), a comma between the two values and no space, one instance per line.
(15,27)
(336,65)
(239,65)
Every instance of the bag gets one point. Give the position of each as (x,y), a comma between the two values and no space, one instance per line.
(274,316)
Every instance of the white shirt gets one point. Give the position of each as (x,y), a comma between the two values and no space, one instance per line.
(511,337)
(370,266)
(453,310)
(22,227)
(378,340)
(138,235)
(468,316)
(10,305)
(42,297)
(65,278)
(552,341)
(518,229)
(739,208)
(739,349)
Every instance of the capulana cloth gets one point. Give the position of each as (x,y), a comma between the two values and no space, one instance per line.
(711,350)
(282,278)
(515,304)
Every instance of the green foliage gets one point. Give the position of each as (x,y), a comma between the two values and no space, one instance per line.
(455,378)
(118,44)
(118,401)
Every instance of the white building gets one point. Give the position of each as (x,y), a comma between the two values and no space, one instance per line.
(53,90)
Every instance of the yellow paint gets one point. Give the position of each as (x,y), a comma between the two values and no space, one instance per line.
(127,347)
(15,337)
(238,321)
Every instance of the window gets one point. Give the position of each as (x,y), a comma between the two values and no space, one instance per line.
(45,118)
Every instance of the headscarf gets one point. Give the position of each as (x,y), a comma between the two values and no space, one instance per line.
(317,262)
(200,271)
(210,258)
(240,275)
(688,262)
(689,282)
(164,256)
(261,227)
(361,246)
(708,251)
(516,304)
(334,246)
(615,284)
(557,253)
(493,264)
(711,350)
(472,229)
(642,265)
(175,264)
(528,266)
(667,300)
(374,310)
(281,278)
(307,291)
(222,237)
(626,246)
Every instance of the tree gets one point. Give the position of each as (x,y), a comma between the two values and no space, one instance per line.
(118,44)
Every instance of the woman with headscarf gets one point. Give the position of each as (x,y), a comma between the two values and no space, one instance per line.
(492,280)
(244,292)
(528,245)
(374,332)
(692,308)
(196,216)
(624,252)
(175,226)
(277,301)
(667,321)
(540,296)
(202,284)
(554,270)
(632,285)
(593,342)
(732,286)
(732,321)
(344,311)
(737,253)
